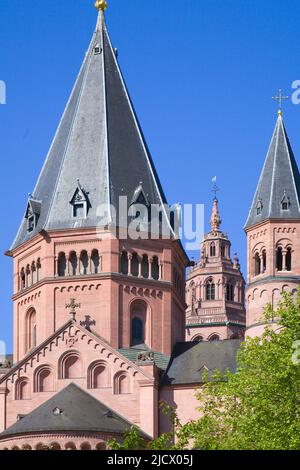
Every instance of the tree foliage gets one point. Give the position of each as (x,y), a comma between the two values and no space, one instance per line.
(258,406)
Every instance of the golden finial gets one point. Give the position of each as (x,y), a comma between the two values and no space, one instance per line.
(101,5)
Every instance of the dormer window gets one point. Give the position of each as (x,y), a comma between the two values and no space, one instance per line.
(80,202)
(285,202)
(31,223)
(32,214)
(140,206)
(97,49)
(259,207)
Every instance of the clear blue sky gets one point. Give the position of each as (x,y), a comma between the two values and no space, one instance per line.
(201,75)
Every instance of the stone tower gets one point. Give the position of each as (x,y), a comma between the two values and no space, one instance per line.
(71,241)
(215,289)
(272,229)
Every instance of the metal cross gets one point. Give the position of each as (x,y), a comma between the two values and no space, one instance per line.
(73,306)
(88,322)
(215,188)
(280,98)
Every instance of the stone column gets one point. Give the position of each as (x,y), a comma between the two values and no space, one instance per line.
(261,259)
(55,268)
(78,265)
(140,266)
(284,253)
(90,262)
(68,265)
(129,264)
(150,268)
(160,271)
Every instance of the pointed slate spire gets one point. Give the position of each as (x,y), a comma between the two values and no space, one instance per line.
(278,192)
(98,142)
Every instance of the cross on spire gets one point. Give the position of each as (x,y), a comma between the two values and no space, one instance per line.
(72,305)
(280,98)
(215,188)
(88,322)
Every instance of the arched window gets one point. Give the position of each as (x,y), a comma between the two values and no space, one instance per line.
(155,268)
(230,292)
(54,446)
(101,446)
(124,263)
(26,447)
(23,279)
(145,267)
(279,259)
(138,323)
(44,379)
(99,376)
(137,332)
(223,251)
(84,263)
(198,339)
(85,446)
(214,338)
(61,264)
(212,249)
(95,262)
(70,446)
(257,264)
(22,389)
(121,384)
(31,329)
(73,264)
(70,366)
(135,265)
(28,275)
(210,290)
(289,259)
(264,260)
(33,273)
(235,336)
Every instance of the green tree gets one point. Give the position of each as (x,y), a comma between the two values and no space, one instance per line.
(133,440)
(255,408)
(258,407)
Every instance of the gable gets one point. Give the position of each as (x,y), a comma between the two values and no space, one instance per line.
(73,339)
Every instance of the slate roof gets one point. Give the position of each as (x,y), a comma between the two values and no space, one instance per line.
(98,142)
(279,177)
(79,411)
(189,360)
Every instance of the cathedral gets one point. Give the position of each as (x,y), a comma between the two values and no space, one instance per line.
(107,326)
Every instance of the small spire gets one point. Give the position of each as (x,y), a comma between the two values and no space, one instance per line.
(101,5)
(280,99)
(215,220)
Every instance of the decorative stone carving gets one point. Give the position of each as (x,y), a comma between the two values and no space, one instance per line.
(147,356)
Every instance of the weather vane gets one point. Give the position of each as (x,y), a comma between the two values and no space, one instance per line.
(215,188)
(101,5)
(280,98)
